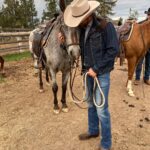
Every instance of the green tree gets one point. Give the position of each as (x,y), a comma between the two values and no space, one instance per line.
(105,7)
(133,14)
(50,9)
(18,13)
(9,11)
(28,13)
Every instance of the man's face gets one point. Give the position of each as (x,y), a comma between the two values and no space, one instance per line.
(85,22)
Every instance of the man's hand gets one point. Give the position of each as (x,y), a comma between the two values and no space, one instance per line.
(92,73)
(61,38)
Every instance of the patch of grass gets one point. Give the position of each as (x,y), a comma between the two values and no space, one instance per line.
(17,56)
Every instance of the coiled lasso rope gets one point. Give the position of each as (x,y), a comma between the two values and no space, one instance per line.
(76,100)
(96,82)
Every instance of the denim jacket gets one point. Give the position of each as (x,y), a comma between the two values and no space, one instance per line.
(100,49)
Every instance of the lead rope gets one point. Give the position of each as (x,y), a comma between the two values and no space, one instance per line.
(96,83)
(76,100)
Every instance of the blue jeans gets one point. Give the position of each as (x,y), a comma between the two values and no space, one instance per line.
(147,67)
(96,115)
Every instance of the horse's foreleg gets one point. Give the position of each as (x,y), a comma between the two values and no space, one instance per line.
(65,77)
(55,90)
(40,80)
(35,65)
(47,76)
(2,65)
(132,62)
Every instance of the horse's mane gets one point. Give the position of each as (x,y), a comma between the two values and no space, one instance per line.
(146,23)
(59,19)
(142,21)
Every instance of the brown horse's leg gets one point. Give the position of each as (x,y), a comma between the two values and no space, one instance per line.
(2,64)
(132,62)
(40,80)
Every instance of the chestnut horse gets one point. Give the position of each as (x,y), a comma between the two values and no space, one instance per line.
(2,65)
(135,48)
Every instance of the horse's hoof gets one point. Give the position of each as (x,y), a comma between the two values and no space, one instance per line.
(41,90)
(56,111)
(65,110)
(131,94)
(48,84)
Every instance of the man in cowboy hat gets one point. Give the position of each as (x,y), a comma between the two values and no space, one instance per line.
(99,47)
(148,12)
(147,61)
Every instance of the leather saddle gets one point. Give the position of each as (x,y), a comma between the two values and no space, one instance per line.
(124,32)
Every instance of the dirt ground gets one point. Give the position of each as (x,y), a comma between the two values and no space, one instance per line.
(27,121)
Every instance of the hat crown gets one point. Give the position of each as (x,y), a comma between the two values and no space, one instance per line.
(79,7)
(148,11)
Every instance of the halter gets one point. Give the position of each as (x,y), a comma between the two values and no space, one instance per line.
(74,39)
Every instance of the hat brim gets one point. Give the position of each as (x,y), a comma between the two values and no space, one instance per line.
(75,21)
(147,12)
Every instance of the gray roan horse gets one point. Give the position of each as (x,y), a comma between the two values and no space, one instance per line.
(60,58)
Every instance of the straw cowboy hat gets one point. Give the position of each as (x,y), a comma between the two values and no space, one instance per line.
(78,10)
(148,11)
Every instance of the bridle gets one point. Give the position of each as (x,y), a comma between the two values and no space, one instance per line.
(74,38)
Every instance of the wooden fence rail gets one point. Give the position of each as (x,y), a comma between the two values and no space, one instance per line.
(16,34)
(13,42)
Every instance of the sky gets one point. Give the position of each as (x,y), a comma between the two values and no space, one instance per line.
(121,9)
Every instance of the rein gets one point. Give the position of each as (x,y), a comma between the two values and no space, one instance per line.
(77,100)
(96,83)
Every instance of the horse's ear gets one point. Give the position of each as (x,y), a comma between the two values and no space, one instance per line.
(62,5)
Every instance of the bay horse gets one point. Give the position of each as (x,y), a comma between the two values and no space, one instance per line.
(135,48)
(2,65)
(61,57)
